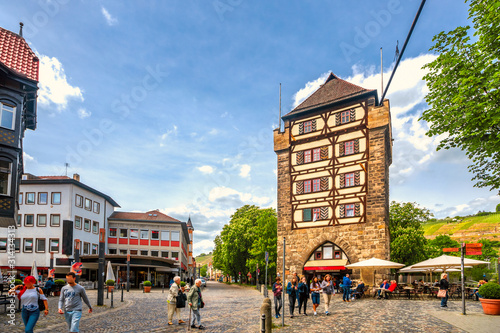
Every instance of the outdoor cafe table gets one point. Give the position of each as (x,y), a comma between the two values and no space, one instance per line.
(408,291)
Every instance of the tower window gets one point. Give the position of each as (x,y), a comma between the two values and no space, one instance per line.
(349,147)
(349,179)
(349,210)
(307,126)
(345,117)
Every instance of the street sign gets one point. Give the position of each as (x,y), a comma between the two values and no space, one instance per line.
(267,257)
(473,253)
(473,245)
(450,249)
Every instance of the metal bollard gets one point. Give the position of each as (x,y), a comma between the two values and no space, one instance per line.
(112,298)
(107,292)
(163,288)
(263,323)
(122,294)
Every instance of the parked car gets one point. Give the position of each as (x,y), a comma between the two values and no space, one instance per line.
(203,282)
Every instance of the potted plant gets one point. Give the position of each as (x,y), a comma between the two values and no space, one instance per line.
(490,298)
(59,284)
(111,285)
(147,286)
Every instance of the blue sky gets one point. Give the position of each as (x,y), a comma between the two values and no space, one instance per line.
(170,105)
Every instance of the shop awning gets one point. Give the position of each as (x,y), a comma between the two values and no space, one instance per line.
(325,265)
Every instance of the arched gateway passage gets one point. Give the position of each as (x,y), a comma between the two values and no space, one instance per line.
(327,258)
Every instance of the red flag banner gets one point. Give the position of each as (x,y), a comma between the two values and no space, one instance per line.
(473,253)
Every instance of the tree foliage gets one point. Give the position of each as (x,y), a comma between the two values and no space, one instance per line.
(244,240)
(464,95)
(435,246)
(408,244)
(498,208)
(203,270)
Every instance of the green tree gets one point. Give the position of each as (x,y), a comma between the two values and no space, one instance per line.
(464,95)
(498,208)
(408,244)
(203,270)
(435,246)
(266,241)
(407,214)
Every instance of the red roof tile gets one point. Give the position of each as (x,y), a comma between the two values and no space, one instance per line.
(153,215)
(16,54)
(333,90)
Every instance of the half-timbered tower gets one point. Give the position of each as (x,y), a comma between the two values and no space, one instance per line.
(333,179)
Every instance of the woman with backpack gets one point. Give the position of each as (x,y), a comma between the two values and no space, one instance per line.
(277,288)
(30,298)
(315,290)
(291,290)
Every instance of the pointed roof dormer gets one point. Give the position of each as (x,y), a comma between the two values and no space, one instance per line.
(333,91)
(189,224)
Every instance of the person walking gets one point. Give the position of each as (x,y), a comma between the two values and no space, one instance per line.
(70,302)
(277,291)
(48,287)
(444,285)
(328,290)
(28,296)
(291,290)
(172,308)
(303,289)
(315,290)
(195,301)
(346,285)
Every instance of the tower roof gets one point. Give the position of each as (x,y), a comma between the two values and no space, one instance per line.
(16,54)
(332,91)
(189,224)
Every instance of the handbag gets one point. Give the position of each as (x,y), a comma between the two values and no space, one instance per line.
(41,304)
(180,300)
(441,293)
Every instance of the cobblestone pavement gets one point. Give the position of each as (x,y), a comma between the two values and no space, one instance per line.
(236,309)
(373,315)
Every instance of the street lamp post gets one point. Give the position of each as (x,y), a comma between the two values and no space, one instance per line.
(100,269)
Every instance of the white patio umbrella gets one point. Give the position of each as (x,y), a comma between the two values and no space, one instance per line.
(373,264)
(446,262)
(109,273)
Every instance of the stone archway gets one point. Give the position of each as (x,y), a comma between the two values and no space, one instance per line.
(323,238)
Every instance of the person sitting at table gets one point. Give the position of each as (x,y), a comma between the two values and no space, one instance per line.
(360,289)
(476,293)
(385,292)
(385,285)
(420,283)
(48,287)
(436,283)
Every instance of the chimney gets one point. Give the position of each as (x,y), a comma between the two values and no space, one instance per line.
(76,177)
(21,29)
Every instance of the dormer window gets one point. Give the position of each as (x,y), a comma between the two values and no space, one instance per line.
(5,177)
(7,116)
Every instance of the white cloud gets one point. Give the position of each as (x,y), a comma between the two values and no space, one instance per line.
(54,86)
(245,170)
(472,207)
(167,135)
(206,169)
(214,131)
(204,246)
(220,192)
(82,113)
(110,20)
(309,88)
(27,158)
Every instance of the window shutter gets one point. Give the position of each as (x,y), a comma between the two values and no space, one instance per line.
(357,209)
(342,210)
(313,123)
(357,178)
(342,149)
(324,153)
(300,187)
(300,157)
(337,119)
(356,146)
(301,128)
(307,214)
(352,116)
(324,183)
(342,180)
(324,213)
